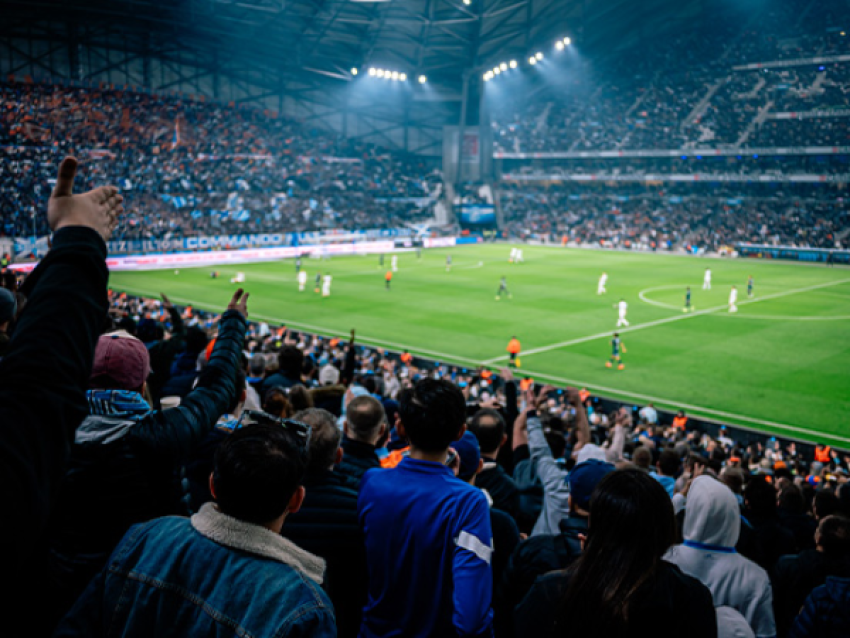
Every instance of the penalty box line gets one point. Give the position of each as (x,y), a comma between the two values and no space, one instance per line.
(659,322)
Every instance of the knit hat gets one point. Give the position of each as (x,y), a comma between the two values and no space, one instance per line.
(590,451)
(8,305)
(470,454)
(583,480)
(120,361)
(328,375)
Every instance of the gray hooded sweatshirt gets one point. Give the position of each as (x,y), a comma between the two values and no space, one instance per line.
(712,525)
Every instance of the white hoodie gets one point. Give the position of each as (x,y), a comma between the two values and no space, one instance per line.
(711,529)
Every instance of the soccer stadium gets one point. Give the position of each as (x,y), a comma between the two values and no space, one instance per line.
(425,318)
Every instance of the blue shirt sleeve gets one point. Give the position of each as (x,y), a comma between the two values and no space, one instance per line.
(471,572)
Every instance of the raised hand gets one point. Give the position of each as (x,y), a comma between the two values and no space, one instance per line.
(239,303)
(97,209)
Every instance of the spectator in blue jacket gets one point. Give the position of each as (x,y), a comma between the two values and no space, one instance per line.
(427,533)
(227,569)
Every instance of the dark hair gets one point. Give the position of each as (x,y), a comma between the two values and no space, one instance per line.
(364,416)
(256,471)
(733,478)
(290,360)
(488,426)
(631,525)
(843,494)
(825,503)
(433,412)
(760,496)
(257,365)
(276,402)
(669,463)
(835,536)
(325,438)
(557,442)
(642,457)
(300,398)
(239,384)
(791,499)
(196,340)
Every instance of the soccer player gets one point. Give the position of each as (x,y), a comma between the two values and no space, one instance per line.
(750,286)
(388,277)
(513,256)
(381,260)
(448,263)
(238,279)
(623,307)
(302,280)
(513,350)
(503,288)
(318,283)
(600,289)
(395,263)
(298,264)
(518,259)
(326,286)
(733,298)
(616,346)
(706,280)
(688,307)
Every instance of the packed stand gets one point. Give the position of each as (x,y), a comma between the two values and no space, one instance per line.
(190,168)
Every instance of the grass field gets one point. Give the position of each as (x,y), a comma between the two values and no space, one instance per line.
(781,364)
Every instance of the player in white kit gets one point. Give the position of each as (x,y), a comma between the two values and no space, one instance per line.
(733,299)
(326,286)
(623,307)
(238,279)
(519,259)
(706,280)
(395,263)
(513,256)
(600,290)
(302,280)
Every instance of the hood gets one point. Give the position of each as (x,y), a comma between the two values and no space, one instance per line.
(838,590)
(712,516)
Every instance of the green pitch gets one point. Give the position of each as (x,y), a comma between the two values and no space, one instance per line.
(780,364)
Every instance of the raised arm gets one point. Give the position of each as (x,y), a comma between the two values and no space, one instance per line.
(582,426)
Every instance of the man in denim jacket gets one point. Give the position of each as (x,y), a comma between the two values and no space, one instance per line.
(225,571)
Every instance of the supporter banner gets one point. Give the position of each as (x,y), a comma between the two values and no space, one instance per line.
(477,214)
(790,252)
(786,63)
(439,242)
(29,246)
(678,177)
(681,152)
(807,115)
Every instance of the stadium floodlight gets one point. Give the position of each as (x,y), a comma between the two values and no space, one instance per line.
(497,70)
(568,41)
(532,60)
(503,66)
(513,64)
(538,55)
(354,70)
(372,71)
(487,76)
(402,77)
(467,2)
(380,73)
(394,75)
(422,79)
(559,45)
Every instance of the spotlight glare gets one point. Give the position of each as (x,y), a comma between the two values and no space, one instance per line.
(513,64)
(503,66)
(467,2)
(497,70)
(568,41)
(380,73)
(402,77)
(538,55)
(394,75)
(422,79)
(532,60)
(559,45)
(354,70)
(372,71)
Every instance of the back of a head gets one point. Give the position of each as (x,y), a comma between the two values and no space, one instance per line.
(432,413)
(791,499)
(712,515)
(488,426)
(669,462)
(300,398)
(843,494)
(364,415)
(825,503)
(642,458)
(760,496)
(834,537)
(257,366)
(276,402)
(631,525)
(290,361)
(324,439)
(256,471)
(196,340)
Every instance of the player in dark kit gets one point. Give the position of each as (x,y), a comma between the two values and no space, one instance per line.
(298,264)
(503,288)
(688,307)
(616,346)
(750,286)
(318,286)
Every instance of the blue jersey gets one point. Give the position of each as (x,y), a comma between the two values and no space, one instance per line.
(428,548)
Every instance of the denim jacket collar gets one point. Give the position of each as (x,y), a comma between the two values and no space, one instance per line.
(231,532)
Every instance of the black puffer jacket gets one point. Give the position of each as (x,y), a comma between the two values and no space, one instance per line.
(123,467)
(826,613)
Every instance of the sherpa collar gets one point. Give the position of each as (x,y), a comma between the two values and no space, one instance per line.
(231,532)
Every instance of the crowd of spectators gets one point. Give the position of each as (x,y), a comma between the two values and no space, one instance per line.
(188,473)
(189,167)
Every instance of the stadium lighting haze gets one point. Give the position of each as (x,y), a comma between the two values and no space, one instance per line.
(532,60)
(559,45)
(513,64)
(353,70)
(402,77)
(394,75)
(380,73)
(567,41)
(538,55)
(503,66)
(372,71)
(422,79)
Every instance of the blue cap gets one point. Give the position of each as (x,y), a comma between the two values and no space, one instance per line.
(583,480)
(470,454)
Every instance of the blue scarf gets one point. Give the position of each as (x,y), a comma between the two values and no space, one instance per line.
(120,403)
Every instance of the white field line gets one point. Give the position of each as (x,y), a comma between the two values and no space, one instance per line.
(650,324)
(449,358)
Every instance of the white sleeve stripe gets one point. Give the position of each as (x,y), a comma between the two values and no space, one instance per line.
(467,541)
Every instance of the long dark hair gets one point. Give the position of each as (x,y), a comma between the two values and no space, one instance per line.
(630,527)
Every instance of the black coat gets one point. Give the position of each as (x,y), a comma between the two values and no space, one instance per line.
(357,458)
(500,487)
(327,526)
